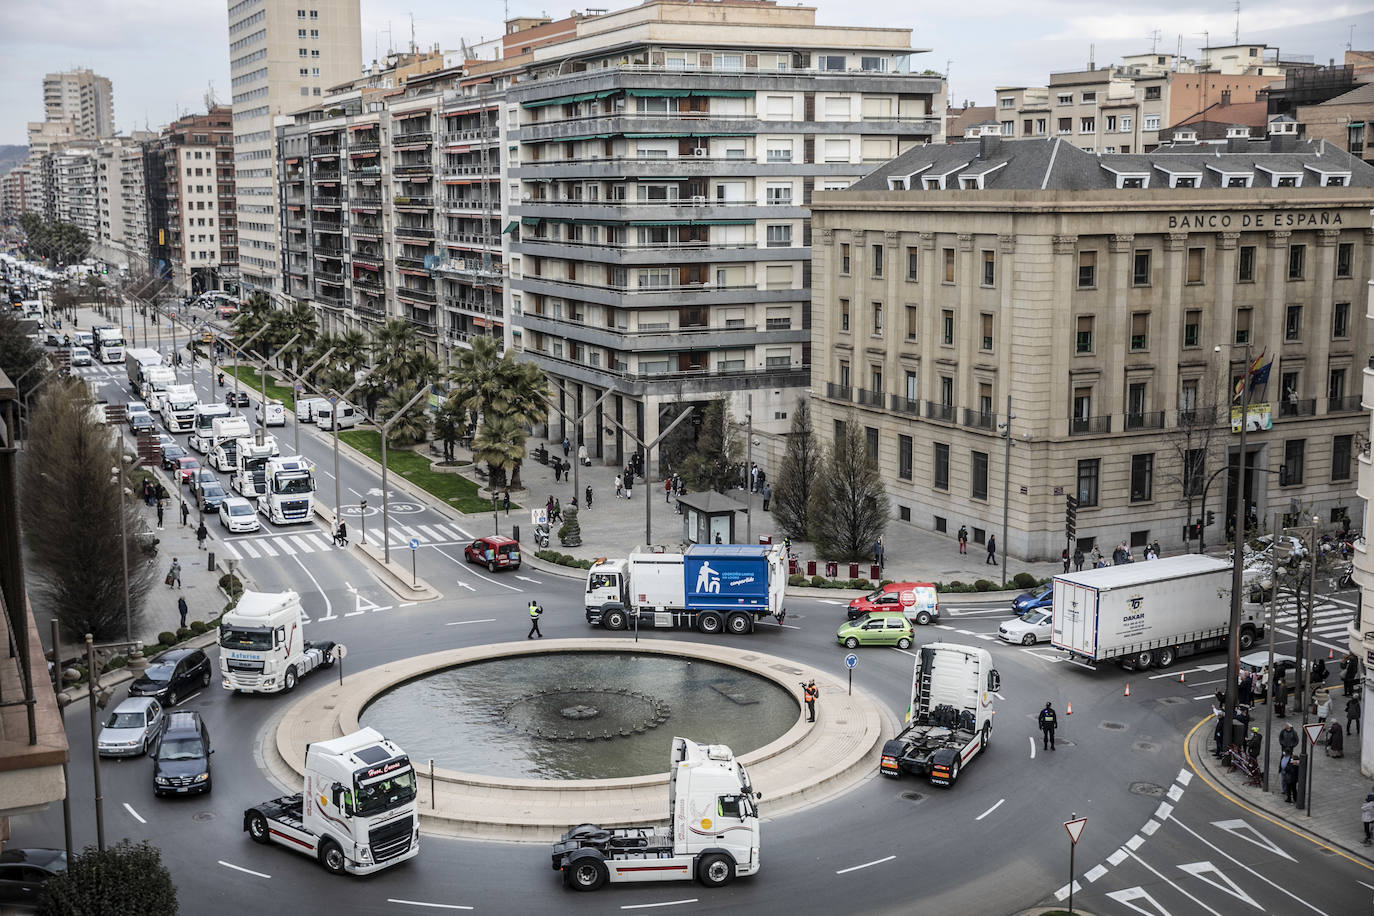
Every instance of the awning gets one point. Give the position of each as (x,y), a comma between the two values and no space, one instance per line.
(526,220)
(372,126)
(693,222)
(510,227)
(654,136)
(568,99)
(653,178)
(659,93)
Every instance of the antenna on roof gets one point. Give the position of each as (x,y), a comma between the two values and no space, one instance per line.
(1154,40)
(1237,22)
(1350,42)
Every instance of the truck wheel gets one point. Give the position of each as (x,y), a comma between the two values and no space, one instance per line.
(715,870)
(710,623)
(1143,660)
(257,828)
(851,643)
(987,738)
(923,618)
(903,643)
(613,620)
(738,624)
(332,857)
(1028,639)
(586,874)
(1247,639)
(289,681)
(1164,657)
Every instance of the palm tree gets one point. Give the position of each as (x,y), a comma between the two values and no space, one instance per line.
(413,426)
(351,349)
(322,345)
(476,377)
(252,316)
(449,425)
(392,347)
(500,442)
(490,384)
(299,320)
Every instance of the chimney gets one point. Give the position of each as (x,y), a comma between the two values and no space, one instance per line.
(1226,97)
(989,145)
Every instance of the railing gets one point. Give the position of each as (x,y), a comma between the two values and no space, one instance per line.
(329,175)
(365,200)
(461,238)
(332,203)
(414,168)
(839,392)
(1298,407)
(368,257)
(473,134)
(366,282)
(363,146)
(454,171)
(370,308)
(1086,426)
(321,296)
(1150,419)
(625,246)
(870,398)
(681,202)
(325,151)
(415,136)
(1348,404)
(905,405)
(412,263)
(414,232)
(937,411)
(364,170)
(977,419)
(1199,417)
(329,276)
(419,295)
(410,200)
(468,205)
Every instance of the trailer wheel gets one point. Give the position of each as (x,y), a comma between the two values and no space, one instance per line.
(289,681)
(332,857)
(585,874)
(257,827)
(715,870)
(987,738)
(1247,639)
(613,620)
(1143,660)
(1164,657)
(710,623)
(738,624)
(205,678)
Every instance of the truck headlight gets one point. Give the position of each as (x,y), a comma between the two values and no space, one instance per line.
(364,854)
(269,682)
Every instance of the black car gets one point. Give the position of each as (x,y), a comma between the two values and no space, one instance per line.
(23,872)
(181,764)
(236,399)
(170,454)
(172,675)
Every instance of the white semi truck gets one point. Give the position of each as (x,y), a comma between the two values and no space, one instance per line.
(952,692)
(1145,615)
(290,496)
(179,408)
(356,813)
(203,426)
(712,833)
(156,382)
(262,642)
(250,476)
(110,343)
(137,362)
(225,433)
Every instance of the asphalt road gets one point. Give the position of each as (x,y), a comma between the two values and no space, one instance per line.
(1158,840)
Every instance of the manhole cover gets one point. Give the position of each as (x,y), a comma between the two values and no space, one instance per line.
(912,796)
(1147,788)
(1114,726)
(203,816)
(1145,746)
(1171,701)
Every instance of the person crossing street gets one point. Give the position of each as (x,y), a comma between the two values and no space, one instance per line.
(535,613)
(1049,721)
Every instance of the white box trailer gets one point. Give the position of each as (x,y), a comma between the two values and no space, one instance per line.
(1148,614)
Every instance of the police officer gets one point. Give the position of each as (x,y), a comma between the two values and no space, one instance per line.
(535,613)
(809,693)
(1049,721)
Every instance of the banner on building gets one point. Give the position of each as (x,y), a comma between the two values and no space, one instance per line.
(1259,417)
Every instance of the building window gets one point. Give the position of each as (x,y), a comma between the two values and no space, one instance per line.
(1007,101)
(904,457)
(1196,260)
(989,268)
(1140,331)
(1243,325)
(1345,255)
(1292,461)
(1192,328)
(877,258)
(1245,264)
(1292,325)
(941,469)
(1087,269)
(911,388)
(913,260)
(1087,125)
(1065,98)
(1335,384)
(1340,457)
(948,254)
(1340,320)
(779,236)
(844,258)
(778,195)
(913,318)
(947,327)
(877,319)
(1082,407)
(1110,124)
(1354,140)
(1140,270)
(1296,254)
(1142,478)
(1151,121)
(1087,482)
(844,374)
(871,444)
(979,474)
(1083,341)
(844,314)
(1289,386)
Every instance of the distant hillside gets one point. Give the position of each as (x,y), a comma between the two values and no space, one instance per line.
(10,156)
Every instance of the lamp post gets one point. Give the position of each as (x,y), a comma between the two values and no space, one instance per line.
(1270,585)
(336,399)
(299,381)
(648,451)
(262,369)
(92,682)
(577,428)
(1305,660)
(1006,487)
(748,471)
(386,428)
(1237,559)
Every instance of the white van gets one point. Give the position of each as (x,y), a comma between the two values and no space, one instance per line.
(348,416)
(308,408)
(271,413)
(82,357)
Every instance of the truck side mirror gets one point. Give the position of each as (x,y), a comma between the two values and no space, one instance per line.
(336,795)
(994,681)
(279,635)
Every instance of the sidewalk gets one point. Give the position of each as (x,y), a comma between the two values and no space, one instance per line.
(1338,789)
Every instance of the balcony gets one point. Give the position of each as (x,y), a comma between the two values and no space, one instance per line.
(415,168)
(413,232)
(325,175)
(369,281)
(328,298)
(468,170)
(416,295)
(937,411)
(1297,407)
(324,152)
(356,170)
(473,135)
(979,419)
(361,257)
(1150,419)
(362,146)
(412,135)
(329,276)
(365,232)
(412,263)
(1090,426)
(1348,404)
(900,404)
(370,307)
(411,201)
(839,392)
(1201,419)
(870,398)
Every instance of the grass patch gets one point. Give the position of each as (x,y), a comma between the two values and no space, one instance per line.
(253,379)
(454,489)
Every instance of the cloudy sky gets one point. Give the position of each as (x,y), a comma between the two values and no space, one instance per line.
(163,57)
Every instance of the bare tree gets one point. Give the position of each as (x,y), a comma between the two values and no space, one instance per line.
(801,466)
(849,509)
(1196,445)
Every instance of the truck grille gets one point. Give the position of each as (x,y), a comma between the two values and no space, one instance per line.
(295,508)
(391,840)
(244,666)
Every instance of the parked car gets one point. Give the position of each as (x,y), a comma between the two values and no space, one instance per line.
(181,764)
(307,408)
(1027,630)
(919,600)
(495,552)
(186,468)
(172,675)
(212,495)
(23,872)
(172,453)
(52,340)
(236,398)
(1036,598)
(131,729)
(877,628)
(1290,548)
(237,514)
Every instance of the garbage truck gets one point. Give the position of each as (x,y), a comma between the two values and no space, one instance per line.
(712,832)
(710,587)
(262,644)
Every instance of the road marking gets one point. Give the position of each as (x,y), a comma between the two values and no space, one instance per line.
(788,626)
(128,807)
(1150,827)
(1117,857)
(1165,809)
(1097,872)
(406,604)
(1239,829)
(1173,885)
(1222,883)
(246,871)
(328,605)
(966,632)
(843,871)
(189,699)
(1155,677)
(1064,891)
(829,601)
(464,566)
(528,579)
(1184,777)
(999,802)
(646,906)
(1175,793)
(905,652)
(1004,699)
(459,623)
(944,626)
(437,906)
(1135,842)
(1031,739)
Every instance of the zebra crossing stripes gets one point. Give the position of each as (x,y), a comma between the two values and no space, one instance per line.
(287,544)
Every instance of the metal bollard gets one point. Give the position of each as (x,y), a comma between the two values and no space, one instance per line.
(515,533)
(211,565)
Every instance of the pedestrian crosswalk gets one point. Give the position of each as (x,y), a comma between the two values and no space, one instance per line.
(1330,619)
(282,543)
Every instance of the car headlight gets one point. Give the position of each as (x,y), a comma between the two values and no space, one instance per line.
(163,781)
(202,777)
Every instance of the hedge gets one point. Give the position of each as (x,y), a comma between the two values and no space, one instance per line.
(562,559)
(982,585)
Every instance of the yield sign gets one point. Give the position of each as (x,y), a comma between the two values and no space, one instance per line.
(1314,731)
(1075,828)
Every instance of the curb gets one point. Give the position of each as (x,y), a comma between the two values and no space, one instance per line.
(389,574)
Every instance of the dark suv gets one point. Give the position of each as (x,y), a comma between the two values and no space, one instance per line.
(172,675)
(181,764)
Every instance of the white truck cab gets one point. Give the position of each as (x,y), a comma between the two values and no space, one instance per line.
(271,413)
(225,435)
(263,647)
(250,475)
(179,408)
(203,425)
(290,496)
(156,381)
(953,691)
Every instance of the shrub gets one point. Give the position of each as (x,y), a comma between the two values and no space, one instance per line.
(116,663)
(124,878)
(796,580)
(886,582)
(819,582)
(983,585)
(184,633)
(199,626)
(1024,580)
(859,583)
(167,638)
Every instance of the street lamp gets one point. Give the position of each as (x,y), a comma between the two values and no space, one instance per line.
(1006,487)
(577,428)
(386,429)
(648,495)
(336,399)
(1237,556)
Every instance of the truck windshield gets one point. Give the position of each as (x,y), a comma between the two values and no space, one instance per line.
(183,405)
(252,639)
(293,485)
(379,795)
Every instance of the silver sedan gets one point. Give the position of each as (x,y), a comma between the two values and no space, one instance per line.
(131,729)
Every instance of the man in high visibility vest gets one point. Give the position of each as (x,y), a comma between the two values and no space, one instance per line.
(809,693)
(535,613)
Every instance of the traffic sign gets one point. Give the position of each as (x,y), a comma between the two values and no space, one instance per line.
(539,516)
(339,651)
(333,399)
(1314,731)
(414,543)
(851,661)
(1075,828)
(299,387)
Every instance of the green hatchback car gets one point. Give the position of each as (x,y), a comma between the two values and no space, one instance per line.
(880,628)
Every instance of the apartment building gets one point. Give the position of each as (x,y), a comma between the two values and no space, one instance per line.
(1361,632)
(200,218)
(74,188)
(282,56)
(14,193)
(134,207)
(663,161)
(1113,300)
(81,98)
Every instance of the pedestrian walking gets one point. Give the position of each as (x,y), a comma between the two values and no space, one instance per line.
(181,609)
(1367,818)
(963,539)
(159,514)
(548,508)
(1323,700)
(1243,688)
(505,501)
(160,492)
(557,470)
(1064,556)
(147,492)
(667,489)
(582,458)
(1288,739)
(1280,696)
(201,534)
(878,552)
(629,484)
(1155,548)
(619,486)
(767,495)
(1290,781)
(810,692)
(992,551)
(535,613)
(1335,740)
(557,511)
(341,535)
(567,446)
(1349,672)
(1049,721)
(1319,674)
(185,512)
(588,494)
(174,574)
(1352,714)
(1078,559)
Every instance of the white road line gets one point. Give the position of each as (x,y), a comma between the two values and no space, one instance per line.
(1003,699)
(1164,810)
(1174,886)
(302,542)
(788,626)
(966,632)
(1184,777)
(1135,842)
(246,871)
(231,551)
(1173,674)
(459,623)
(249,549)
(189,699)
(1096,872)
(430,533)
(1117,857)
(437,906)
(829,601)
(843,871)
(328,605)
(1175,793)
(999,802)
(354,613)
(904,652)
(1064,891)
(1150,827)
(475,573)
(1031,738)
(985,636)
(406,604)
(1251,870)
(129,808)
(266,547)
(943,626)
(646,906)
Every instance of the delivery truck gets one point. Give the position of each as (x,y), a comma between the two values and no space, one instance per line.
(1144,615)
(710,587)
(137,362)
(950,716)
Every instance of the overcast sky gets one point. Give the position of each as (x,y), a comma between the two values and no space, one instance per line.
(163,56)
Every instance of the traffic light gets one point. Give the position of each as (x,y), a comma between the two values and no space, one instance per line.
(1211,517)
(1070,516)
